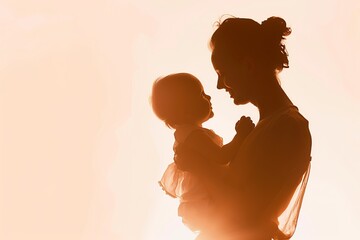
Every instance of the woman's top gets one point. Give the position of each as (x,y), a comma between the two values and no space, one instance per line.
(195,202)
(270,173)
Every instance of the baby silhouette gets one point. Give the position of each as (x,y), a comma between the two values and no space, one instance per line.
(180,101)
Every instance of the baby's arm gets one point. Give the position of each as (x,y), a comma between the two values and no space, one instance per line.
(201,143)
(243,128)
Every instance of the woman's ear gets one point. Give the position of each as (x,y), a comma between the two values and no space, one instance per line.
(247,64)
(250,65)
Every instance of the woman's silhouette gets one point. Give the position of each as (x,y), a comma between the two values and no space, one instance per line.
(259,195)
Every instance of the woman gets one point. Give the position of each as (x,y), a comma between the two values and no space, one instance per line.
(259,195)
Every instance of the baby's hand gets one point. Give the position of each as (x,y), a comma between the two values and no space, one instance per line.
(244,126)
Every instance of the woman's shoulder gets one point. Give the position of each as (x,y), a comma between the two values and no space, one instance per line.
(292,118)
(285,122)
(292,131)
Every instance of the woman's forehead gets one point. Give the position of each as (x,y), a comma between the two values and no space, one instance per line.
(221,56)
(215,59)
(219,61)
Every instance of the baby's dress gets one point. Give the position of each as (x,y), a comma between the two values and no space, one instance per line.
(195,201)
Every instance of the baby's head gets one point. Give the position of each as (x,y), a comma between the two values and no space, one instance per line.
(179,99)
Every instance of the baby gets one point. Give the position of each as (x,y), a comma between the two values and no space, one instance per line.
(180,101)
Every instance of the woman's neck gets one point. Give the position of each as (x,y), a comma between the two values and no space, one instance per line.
(271,98)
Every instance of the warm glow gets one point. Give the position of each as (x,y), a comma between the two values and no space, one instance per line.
(80,149)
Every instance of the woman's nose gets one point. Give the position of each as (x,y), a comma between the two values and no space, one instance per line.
(220,83)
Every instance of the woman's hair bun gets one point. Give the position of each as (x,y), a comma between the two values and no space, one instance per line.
(274,30)
(243,36)
(275,27)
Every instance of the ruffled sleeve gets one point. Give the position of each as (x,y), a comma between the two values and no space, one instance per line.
(287,221)
(194,207)
(171,181)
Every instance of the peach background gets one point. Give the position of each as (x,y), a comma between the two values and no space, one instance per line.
(80,149)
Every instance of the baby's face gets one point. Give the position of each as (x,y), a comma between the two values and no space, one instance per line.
(200,103)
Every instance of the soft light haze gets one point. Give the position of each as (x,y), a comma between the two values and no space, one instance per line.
(80,149)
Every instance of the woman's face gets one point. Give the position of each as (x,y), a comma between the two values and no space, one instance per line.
(235,76)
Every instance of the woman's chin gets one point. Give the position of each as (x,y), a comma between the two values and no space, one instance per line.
(240,101)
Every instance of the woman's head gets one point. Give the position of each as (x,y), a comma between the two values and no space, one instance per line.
(180,99)
(243,49)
